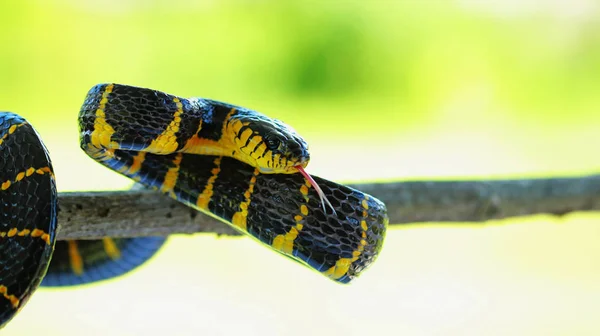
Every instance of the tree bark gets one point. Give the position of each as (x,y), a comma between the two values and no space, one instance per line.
(90,215)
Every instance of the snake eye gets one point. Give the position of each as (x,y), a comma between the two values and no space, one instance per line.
(272,143)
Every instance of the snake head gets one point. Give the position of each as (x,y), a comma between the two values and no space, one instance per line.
(271,146)
(267,144)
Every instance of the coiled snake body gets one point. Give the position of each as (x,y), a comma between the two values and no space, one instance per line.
(227,161)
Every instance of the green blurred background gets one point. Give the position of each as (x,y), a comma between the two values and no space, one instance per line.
(381,91)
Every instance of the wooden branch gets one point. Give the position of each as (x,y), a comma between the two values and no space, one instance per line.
(89,215)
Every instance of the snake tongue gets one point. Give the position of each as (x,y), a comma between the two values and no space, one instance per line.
(314,184)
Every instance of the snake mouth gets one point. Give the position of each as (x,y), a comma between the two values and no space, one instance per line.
(289,166)
(318,189)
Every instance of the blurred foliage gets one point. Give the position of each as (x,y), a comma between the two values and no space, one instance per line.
(406,59)
(382,90)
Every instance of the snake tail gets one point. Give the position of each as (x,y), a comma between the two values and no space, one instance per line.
(78,262)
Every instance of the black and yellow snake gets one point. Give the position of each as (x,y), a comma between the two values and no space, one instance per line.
(229,162)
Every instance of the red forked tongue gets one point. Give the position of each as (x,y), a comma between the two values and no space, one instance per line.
(316,187)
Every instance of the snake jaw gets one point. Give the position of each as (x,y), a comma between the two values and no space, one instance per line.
(314,184)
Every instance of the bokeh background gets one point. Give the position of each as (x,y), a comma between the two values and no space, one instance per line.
(388,90)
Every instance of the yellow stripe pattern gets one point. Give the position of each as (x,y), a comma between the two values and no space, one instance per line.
(342,266)
(202,146)
(136,165)
(26,173)
(75,258)
(35,233)
(11,130)
(102,134)
(166,142)
(285,242)
(171,176)
(14,301)
(207,193)
(111,248)
(239,218)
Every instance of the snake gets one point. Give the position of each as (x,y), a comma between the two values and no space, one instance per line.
(229,162)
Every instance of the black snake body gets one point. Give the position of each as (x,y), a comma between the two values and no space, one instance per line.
(226,161)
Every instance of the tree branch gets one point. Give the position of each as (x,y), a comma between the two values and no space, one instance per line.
(88,215)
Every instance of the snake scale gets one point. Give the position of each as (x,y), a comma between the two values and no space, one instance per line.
(226,161)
